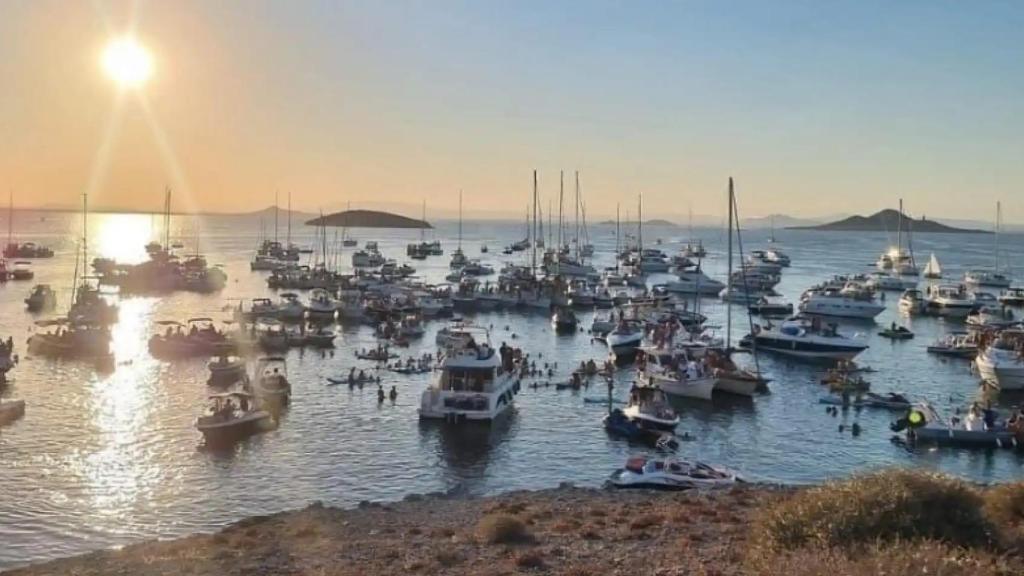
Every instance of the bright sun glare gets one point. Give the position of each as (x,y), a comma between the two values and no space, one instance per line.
(127,62)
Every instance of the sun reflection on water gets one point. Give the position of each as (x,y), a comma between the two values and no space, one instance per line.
(121,237)
(122,471)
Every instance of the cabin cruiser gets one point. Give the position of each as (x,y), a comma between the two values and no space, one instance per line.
(841,304)
(695,282)
(1002,361)
(649,408)
(603,299)
(738,294)
(475,268)
(474,383)
(411,326)
(886,281)
(321,305)
(566,266)
(765,307)
(232,416)
(265,263)
(978,428)
(696,251)
(625,338)
(290,309)
(367,259)
(458,260)
(42,298)
(1012,297)
(912,302)
(956,344)
(804,338)
(776,256)
(989,278)
(22,271)
(271,334)
(948,300)
(26,250)
(676,374)
(270,381)
(652,262)
(898,261)
(991,317)
(758,261)
(198,338)
(612,277)
(754,279)
(670,474)
(564,320)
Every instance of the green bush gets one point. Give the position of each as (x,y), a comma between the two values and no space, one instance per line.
(894,505)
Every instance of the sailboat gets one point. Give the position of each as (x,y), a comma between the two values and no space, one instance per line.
(932,269)
(693,250)
(25,250)
(459,259)
(991,278)
(899,260)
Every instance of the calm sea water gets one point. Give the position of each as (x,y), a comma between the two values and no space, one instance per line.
(104,459)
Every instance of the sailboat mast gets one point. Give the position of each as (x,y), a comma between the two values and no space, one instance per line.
(423,218)
(617,236)
(899,232)
(10,217)
(550,231)
(728,288)
(460,220)
(533,243)
(289,218)
(577,221)
(561,193)
(640,223)
(999,216)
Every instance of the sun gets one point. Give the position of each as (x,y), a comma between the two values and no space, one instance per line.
(127,62)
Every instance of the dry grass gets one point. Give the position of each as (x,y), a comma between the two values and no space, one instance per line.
(887,506)
(502,529)
(1004,507)
(531,560)
(924,558)
(646,521)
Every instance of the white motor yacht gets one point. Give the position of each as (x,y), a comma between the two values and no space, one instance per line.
(670,474)
(776,256)
(290,309)
(676,374)
(912,302)
(988,278)
(841,304)
(805,339)
(990,317)
(626,338)
(694,282)
(886,281)
(949,300)
(367,259)
(1002,362)
(474,382)
(739,295)
(1012,297)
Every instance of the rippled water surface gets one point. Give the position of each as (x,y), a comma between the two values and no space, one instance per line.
(106,458)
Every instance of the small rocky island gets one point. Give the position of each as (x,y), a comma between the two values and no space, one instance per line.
(888,221)
(368,219)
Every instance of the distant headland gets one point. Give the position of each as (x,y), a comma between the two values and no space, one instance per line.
(368,219)
(888,221)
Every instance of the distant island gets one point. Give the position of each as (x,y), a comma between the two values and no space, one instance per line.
(368,219)
(655,222)
(888,221)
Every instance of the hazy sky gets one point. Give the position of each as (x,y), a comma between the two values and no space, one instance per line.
(815,107)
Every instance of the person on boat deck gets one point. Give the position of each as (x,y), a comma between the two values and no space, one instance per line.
(362,375)
(892,328)
(169,332)
(691,370)
(380,394)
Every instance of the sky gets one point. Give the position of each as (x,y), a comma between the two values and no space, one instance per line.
(815,107)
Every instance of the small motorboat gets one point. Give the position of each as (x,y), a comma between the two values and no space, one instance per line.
(895,332)
(889,401)
(226,370)
(11,410)
(42,298)
(320,337)
(231,417)
(649,408)
(978,428)
(270,382)
(1012,297)
(22,271)
(670,474)
(618,424)
(956,345)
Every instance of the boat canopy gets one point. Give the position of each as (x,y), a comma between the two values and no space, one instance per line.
(169,323)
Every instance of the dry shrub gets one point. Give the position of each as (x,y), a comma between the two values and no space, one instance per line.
(645,521)
(442,532)
(531,560)
(502,529)
(886,506)
(599,512)
(1004,507)
(447,558)
(925,558)
(565,526)
(590,533)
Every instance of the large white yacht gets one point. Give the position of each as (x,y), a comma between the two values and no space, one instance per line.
(841,304)
(1001,362)
(988,278)
(804,338)
(474,382)
(695,282)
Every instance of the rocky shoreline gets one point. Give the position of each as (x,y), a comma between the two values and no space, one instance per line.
(566,530)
